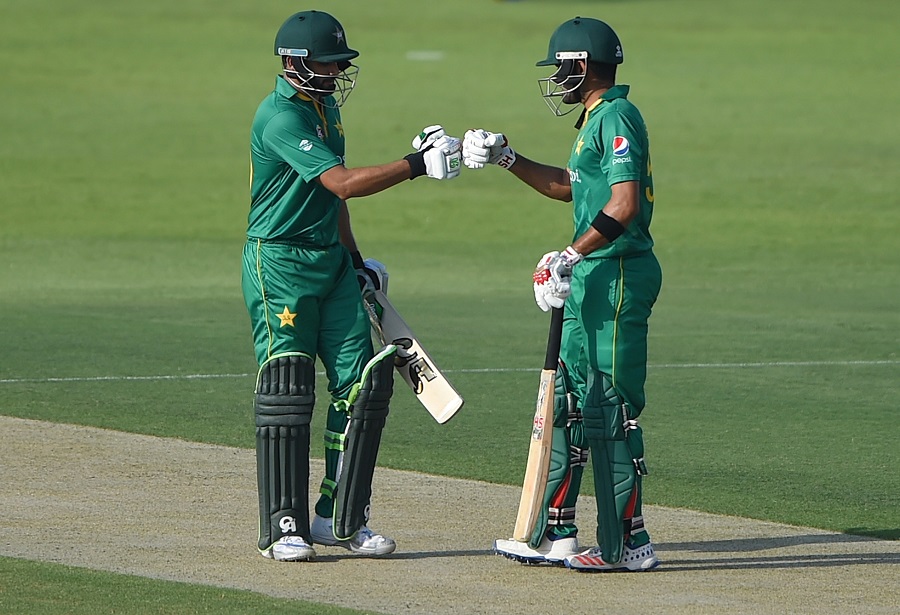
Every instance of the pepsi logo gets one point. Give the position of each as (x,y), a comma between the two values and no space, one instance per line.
(620,146)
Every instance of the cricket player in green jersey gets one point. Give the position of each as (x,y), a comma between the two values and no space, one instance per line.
(607,281)
(302,281)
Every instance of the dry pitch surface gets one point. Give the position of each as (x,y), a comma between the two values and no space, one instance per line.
(182,511)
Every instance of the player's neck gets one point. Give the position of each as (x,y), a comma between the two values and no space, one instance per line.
(590,98)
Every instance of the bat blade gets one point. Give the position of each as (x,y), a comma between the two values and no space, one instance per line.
(537,467)
(413,363)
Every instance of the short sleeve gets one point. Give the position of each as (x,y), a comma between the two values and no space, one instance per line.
(622,144)
(289,138)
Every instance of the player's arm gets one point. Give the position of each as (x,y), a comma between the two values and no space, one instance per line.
(553,274)
(345,231)
(371,274)
(438,156)
(623,206)
(347,183)
(550,181)
(481,148)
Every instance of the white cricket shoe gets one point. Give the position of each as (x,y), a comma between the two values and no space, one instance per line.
(290,549)
(553,552)
(634,559)
(364,542)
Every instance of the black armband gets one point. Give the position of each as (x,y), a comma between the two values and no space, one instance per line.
(416,162)
(357,259)
(608,226)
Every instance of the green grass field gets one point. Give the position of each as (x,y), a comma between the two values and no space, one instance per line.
(773,384)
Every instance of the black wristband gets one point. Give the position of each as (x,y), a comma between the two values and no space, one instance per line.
(608,226)
(416,162)
(357,259)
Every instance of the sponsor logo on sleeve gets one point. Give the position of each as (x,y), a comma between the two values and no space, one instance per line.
(621,147)
(305,145)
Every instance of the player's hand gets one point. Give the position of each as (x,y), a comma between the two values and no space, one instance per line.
(372,276)
(425,139)
(481,148)
(376,274)
(443,160)
(553,278)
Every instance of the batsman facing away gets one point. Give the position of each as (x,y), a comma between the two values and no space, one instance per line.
(607,281)
(302,279)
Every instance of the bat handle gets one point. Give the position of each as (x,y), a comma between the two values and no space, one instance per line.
(555,339)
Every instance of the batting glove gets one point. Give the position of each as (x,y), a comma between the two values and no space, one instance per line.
(553,278)
(371,276)
(481,148)
(444,159)
(437,155)
(425,139)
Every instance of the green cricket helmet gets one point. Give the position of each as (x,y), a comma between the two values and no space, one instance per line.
(317,36)
(581,38)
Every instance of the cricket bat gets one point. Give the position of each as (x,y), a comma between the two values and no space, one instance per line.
(538,466)
(414,364)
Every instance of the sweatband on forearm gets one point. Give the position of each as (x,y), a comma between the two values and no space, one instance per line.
(608,226)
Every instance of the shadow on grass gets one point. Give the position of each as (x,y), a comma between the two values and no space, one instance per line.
(882,534)
(760,544)
(411,555)
(825,560)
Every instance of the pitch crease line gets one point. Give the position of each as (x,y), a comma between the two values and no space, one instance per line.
(485,370)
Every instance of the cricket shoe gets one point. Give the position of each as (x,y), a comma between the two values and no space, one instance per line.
(553,552)
(364,542)
(290,549)
(634,559)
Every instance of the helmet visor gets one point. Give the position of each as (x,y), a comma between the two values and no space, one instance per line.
(319,86)
(567,78)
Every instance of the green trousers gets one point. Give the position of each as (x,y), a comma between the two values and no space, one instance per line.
(605,328)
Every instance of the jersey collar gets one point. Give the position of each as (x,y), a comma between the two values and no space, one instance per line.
(616,91)
(284,88)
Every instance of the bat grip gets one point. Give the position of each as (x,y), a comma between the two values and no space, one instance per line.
(555,339)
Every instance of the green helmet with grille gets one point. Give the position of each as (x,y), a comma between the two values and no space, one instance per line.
(314,35)
(572,46)
(586,37)
(317,37)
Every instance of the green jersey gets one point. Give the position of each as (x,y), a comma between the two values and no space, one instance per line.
(293,140)
(612,147)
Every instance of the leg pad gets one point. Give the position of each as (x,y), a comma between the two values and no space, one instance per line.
(283,408)
(614,437)
(368,412)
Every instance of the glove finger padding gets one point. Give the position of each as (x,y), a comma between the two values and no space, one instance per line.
(552,281)
(427,138)
(475,154)
(444,159)
(540,297)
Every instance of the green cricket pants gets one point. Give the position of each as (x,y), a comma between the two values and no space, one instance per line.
(306,300)
(605,327)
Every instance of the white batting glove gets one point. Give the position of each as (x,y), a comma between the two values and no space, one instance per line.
(427,137)
(372,276)
(444,159)
(481,148)
(553,278)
